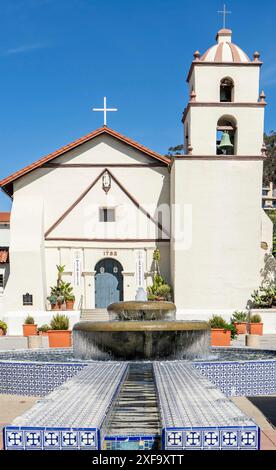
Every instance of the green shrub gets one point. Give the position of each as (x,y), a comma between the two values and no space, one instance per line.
(29,320)
(218,322)
(239,316)
(163,291)
(3,326)
(70,297)
(263,297)
(44,328)
(256,318)
(59,322)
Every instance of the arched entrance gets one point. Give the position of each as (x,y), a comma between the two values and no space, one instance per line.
(108,282)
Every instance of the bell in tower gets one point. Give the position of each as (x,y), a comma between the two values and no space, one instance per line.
(225,146)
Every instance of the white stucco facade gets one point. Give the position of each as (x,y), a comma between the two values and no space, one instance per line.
(202,210)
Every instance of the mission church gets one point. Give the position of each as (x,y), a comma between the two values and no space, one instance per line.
(101,205)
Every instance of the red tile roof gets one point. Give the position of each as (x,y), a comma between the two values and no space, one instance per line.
(4,255)
(76,143)
(5,217)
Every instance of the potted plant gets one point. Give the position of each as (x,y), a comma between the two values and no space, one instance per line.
(239,320)
(3,328)
(67,291)
(159,290)
(43,330)
(59,333)
(56,297)
(29,327)
(70,301)
(163,292)
(221,331)
(53,302)
(255,325)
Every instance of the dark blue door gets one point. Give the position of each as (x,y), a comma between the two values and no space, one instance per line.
(108,282)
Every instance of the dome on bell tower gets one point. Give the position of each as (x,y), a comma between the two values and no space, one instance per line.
(225,50)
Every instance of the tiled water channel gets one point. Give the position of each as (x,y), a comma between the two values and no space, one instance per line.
(130,406)
(135,420)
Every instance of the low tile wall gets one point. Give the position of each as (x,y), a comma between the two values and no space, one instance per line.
(246,378)
(249,378)
(35,379)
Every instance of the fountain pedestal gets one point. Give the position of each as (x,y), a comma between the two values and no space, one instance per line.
(141,330)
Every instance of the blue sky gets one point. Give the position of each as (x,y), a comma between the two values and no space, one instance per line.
(60,57)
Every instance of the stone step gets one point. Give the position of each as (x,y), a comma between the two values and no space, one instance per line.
(97,314)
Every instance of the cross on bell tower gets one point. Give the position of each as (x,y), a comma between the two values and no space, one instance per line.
(224,12)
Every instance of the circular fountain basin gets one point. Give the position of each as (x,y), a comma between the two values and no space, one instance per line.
(141,339)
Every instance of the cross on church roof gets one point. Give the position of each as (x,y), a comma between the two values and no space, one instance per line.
(224,12)
(105,111)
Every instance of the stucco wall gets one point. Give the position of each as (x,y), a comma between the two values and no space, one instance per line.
(203,129)
(4,235)
(221,266)
(206,82)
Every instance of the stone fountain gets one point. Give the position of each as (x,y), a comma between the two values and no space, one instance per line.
(141,330)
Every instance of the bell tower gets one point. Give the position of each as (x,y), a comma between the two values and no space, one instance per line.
(224,99)
(217,183)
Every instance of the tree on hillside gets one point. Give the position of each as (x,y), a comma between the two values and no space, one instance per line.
(173,151)
(270,162)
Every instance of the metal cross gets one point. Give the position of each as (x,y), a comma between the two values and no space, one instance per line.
(224,12)
(105,110)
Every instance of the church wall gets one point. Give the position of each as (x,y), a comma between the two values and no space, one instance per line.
(90,254)
(42,197)
(203,129)
(26,254)
(221,266)
(60,187)
(4,235)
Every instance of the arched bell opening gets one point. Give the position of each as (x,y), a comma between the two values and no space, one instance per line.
(226,90)
(226,136)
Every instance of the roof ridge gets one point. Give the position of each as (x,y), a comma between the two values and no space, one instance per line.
(101,130)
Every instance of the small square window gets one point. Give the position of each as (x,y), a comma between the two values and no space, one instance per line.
(106,215)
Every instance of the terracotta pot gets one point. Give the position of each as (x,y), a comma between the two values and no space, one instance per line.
(43,333)
(70,304)
(55,307)
(256,328)
(2,332)
(240,327)
(29,330)
(59,338)
(220,337)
